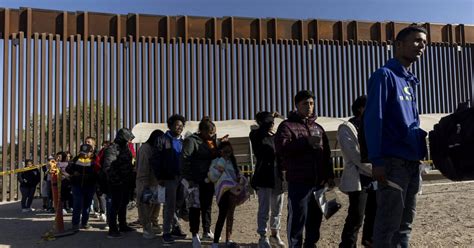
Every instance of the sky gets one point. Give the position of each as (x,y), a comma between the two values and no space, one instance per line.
(434,11)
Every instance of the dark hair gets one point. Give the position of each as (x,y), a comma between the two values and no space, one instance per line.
(174,118)
(357,104)
(303,95)
(63,156)
(27,161)
(404,33)
(265,120)
(206,124)
(232,156)
(154,136)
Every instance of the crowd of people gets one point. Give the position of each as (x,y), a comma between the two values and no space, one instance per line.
(381,145)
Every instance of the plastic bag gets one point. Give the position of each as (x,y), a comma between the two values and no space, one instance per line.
(328,207)
(160,194)
(192,197)
(153,195)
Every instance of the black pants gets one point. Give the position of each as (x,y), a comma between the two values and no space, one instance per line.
(361,203)
(66,195)
(304,215)
(27,195)
(120,197)
(206,192)
(226,214)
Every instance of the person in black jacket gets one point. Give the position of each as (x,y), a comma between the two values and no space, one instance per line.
(118,168)
(199,150)
(167,165)
(267,180)
(83,177)
(28,182)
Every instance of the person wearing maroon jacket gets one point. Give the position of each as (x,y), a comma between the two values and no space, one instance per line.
(304,152)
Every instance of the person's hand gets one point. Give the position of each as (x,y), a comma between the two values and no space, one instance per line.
(379,174)
(225,138)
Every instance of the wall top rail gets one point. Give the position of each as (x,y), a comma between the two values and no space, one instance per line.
(65,23)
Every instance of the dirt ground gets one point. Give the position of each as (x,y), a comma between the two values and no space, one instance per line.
(445,218)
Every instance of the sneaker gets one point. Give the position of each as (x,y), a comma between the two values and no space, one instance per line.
(148,235)
(178,233)
(196,242)
(263,242)
(275,241)
(97,215)
(168,239)
(114,235)
(158,229)
(126,229)
(231,244)
(86,227)
(64,211)
(32,209)
(103,217)
(208,236)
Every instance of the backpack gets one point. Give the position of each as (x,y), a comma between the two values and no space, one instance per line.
(451,145)
(102,181)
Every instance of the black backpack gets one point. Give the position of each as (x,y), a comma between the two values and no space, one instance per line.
(452,145)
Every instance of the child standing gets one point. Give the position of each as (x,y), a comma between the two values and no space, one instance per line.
(230,190)
(28,182)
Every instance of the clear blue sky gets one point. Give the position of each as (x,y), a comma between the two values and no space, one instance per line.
(435,11)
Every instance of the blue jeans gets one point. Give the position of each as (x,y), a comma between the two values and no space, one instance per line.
(82,199)
(395,208)
(303,214)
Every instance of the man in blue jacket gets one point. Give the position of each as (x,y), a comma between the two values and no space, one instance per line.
(395,141)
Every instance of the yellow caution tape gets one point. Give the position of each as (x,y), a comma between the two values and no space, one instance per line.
(8,172)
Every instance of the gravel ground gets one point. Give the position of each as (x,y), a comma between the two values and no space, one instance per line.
(445,218)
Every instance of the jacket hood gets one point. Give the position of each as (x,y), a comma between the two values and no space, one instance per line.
(398,68)
(123,136)
(294,116)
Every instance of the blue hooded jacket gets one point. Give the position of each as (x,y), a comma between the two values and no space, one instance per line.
(391,120)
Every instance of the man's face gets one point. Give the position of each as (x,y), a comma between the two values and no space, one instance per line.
(91,142)
(177,128)
(305,107)
(412,47)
